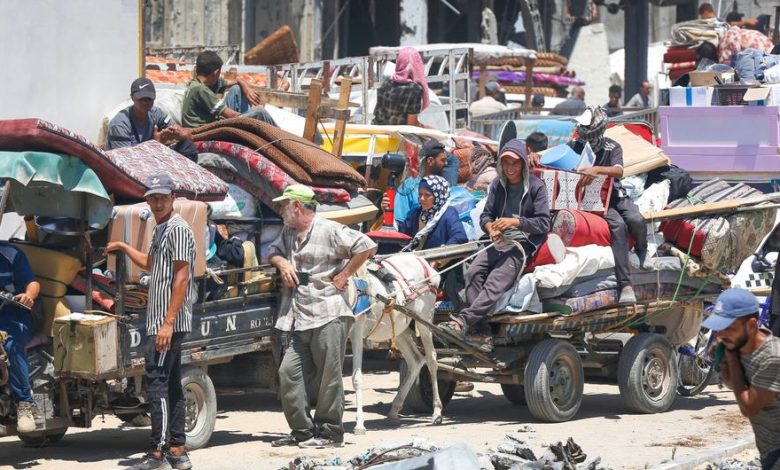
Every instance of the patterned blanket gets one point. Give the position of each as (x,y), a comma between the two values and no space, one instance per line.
(122,173)
(721,243)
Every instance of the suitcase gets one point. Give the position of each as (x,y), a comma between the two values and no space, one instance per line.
(134,225)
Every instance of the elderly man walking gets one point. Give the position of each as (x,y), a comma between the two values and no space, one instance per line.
(315,258)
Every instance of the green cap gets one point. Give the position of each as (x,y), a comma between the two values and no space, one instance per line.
(297,192)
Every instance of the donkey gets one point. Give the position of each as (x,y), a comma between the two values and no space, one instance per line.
(407,280)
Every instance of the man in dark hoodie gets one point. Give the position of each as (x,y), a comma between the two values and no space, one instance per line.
(517,219)
(622,216)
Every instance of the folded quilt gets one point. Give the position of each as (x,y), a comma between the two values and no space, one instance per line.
(280,145)
(262,171)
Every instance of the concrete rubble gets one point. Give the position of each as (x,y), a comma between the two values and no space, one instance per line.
(514,453)
(734,464)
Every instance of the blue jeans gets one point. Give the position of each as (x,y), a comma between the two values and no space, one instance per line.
(18,325)
(237,101)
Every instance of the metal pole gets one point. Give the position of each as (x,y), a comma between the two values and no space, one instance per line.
(453,92)
(636,40)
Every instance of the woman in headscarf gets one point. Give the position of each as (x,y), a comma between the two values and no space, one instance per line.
(401,98)
(434,223)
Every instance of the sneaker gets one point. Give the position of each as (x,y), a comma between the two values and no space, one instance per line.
(25,416)
(320,443)
(152,462)
(627,296)
(288,440)
(179,462)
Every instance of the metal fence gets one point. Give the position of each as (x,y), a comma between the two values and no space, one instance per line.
(447,70)
(490,125)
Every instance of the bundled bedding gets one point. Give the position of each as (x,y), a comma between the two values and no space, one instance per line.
(122,171)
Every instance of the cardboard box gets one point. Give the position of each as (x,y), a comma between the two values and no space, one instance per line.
(85,346)
(704,78)
(757,96)
(690,96)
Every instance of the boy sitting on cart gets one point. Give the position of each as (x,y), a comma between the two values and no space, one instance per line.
(517,219)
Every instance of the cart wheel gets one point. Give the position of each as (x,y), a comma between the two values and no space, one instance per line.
(553,381)
(41,438)
(647,373)
(514,393)
(200,406)
(420,396)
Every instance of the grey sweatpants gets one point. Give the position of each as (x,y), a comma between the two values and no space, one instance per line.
(310,376)
(490,275)
(623,218)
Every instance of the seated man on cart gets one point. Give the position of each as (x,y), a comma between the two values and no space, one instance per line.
(517,219)
(16,278)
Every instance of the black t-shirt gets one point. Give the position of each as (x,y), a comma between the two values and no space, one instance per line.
(610,155)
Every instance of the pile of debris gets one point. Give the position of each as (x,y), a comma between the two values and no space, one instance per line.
(414,453)
(734,464)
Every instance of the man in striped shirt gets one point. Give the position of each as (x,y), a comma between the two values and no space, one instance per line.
(315,258)
(170,260)
(750,367)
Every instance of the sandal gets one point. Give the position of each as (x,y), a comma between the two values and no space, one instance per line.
(454,327)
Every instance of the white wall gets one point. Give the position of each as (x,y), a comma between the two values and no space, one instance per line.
(68,61)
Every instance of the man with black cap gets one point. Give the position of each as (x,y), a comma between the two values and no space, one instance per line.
(170,260)
(435,161)
(517,220)
(144,121)
(749,358)
(623,215)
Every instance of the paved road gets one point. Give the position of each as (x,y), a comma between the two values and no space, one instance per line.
(249,422)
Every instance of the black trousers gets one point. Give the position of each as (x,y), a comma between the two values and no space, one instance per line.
(624,218)
(164,392)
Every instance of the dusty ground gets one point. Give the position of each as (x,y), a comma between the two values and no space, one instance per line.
(248,423)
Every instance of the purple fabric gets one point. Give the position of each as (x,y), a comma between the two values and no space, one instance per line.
(506,76)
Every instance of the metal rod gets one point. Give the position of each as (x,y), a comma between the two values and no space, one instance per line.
(4,199)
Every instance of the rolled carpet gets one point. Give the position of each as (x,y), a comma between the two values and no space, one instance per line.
(312,159)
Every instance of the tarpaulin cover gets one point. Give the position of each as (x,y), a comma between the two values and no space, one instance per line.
(261,171)
(40,135)
(53,185)
(301,159)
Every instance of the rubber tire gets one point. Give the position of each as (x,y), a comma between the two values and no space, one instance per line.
(39,439)
(515,394)
(197,385)
(630,369)
(536,380)
(689,372)
(420,396)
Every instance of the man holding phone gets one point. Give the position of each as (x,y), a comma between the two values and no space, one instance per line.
(315,258)
(171,260)
(750,367)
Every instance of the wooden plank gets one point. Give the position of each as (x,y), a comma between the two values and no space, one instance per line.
(341,124)
(287,99)
(511,319)
(315,97)
(712,208)
(529,81)
(482,80)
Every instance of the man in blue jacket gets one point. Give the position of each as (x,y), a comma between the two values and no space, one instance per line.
(517,219)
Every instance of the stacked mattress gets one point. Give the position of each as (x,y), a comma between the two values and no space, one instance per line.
(679,60)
